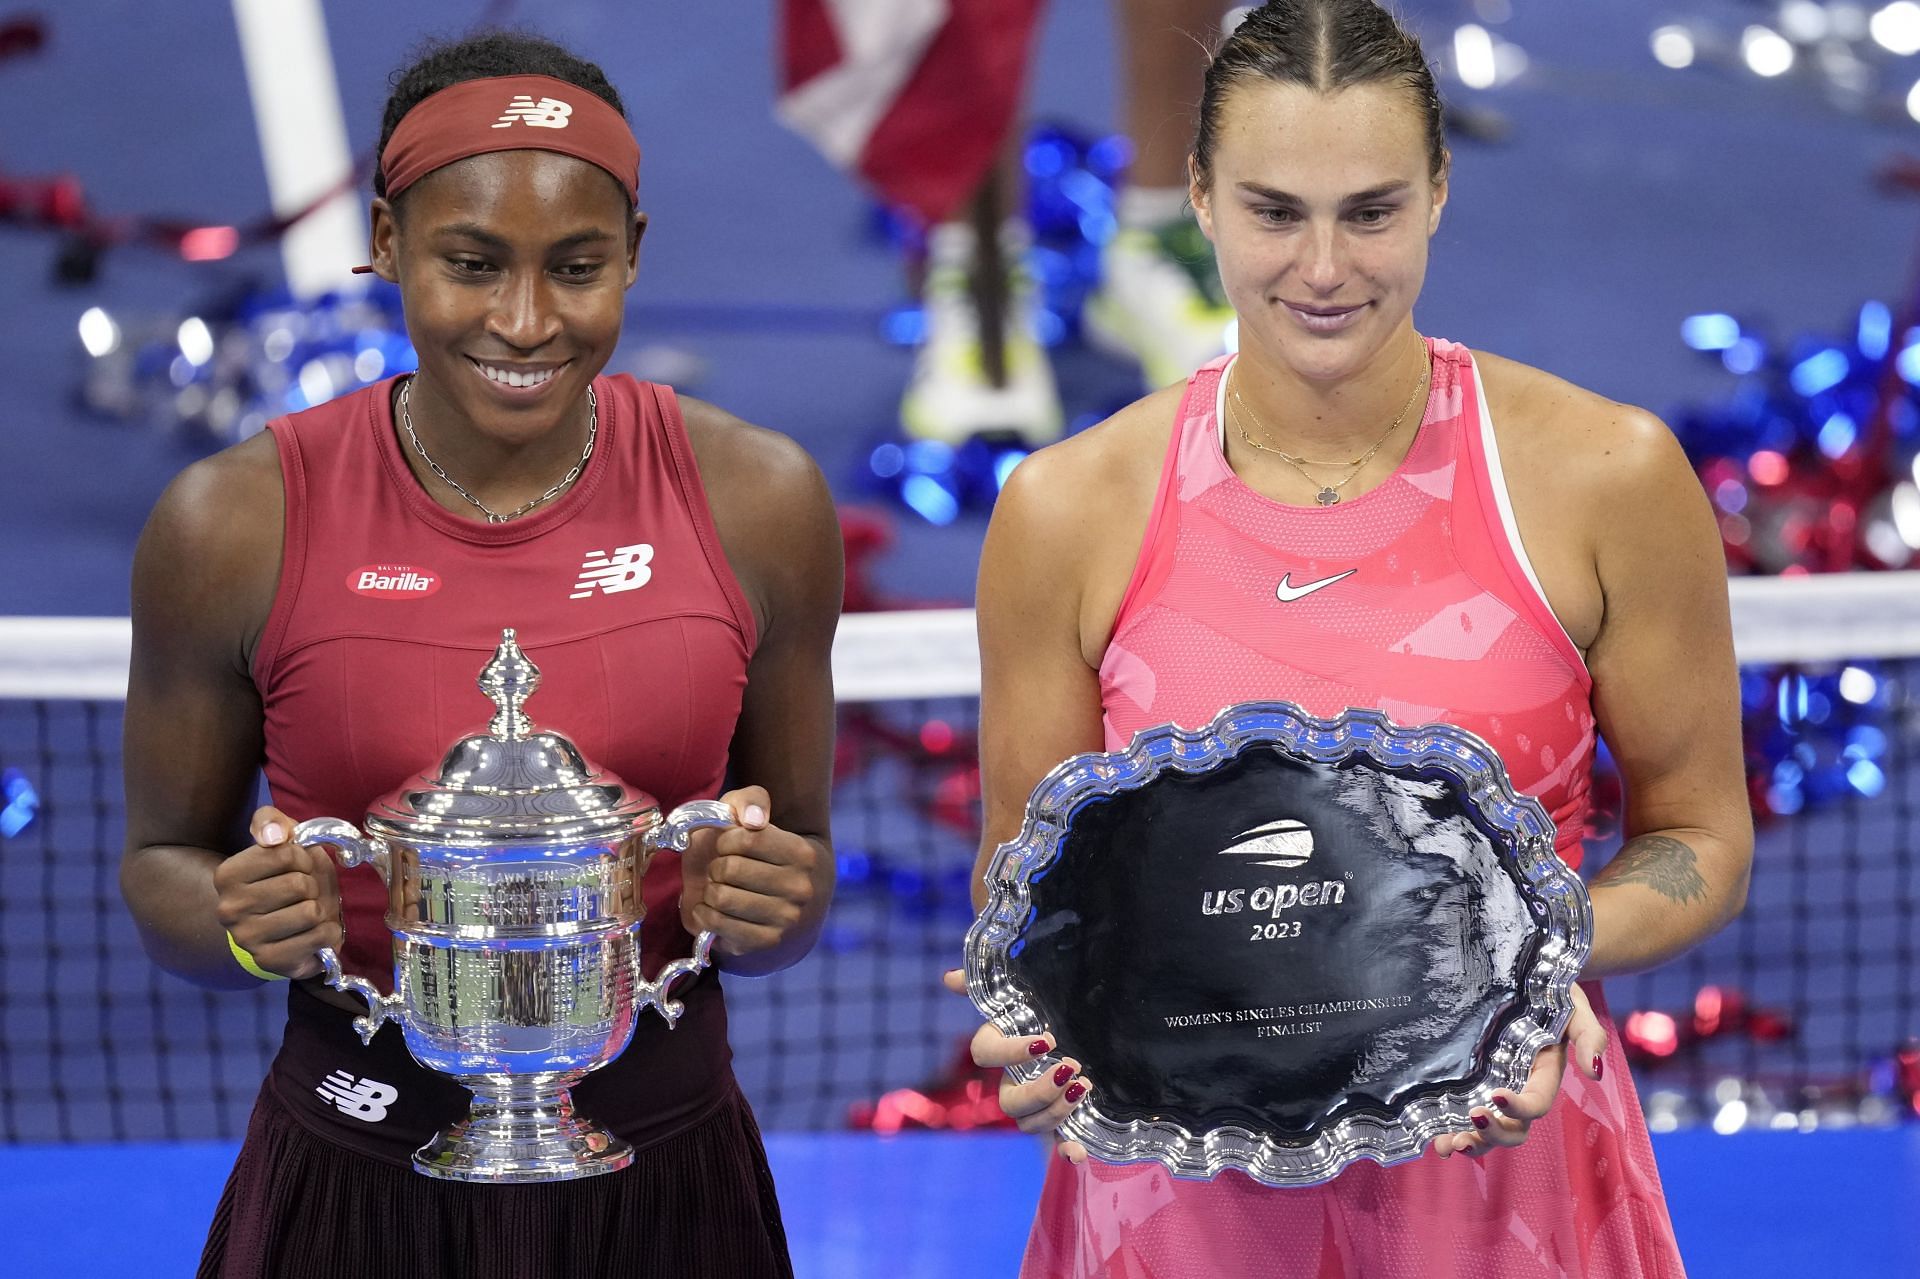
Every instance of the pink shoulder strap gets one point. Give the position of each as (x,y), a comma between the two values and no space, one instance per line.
(1193,463)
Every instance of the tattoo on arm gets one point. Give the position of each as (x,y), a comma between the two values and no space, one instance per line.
(1665,865)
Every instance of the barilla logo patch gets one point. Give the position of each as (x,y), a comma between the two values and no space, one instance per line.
(393,581)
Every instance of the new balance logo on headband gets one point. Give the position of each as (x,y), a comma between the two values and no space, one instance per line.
(365,1099)
(547,113)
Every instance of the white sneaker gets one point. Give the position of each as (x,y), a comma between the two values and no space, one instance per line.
(949,399)
(1159,303)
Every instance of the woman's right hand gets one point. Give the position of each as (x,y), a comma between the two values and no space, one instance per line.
(279,901)
(1042,1105)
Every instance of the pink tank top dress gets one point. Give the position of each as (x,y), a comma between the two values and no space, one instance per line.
(1415,598)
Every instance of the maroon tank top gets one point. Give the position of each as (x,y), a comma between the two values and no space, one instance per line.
(389,605)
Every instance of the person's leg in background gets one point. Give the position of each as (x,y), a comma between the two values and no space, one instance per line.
(982,368)
(1159,299)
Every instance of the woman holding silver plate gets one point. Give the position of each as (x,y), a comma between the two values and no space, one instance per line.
(317,601)
(1351,514)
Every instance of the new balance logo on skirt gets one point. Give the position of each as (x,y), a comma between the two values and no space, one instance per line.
(365,1099)
(625,568)
(547,113)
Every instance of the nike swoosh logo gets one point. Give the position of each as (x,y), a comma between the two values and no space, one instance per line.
(1287,592)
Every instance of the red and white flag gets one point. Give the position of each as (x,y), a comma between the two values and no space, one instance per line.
(916,96)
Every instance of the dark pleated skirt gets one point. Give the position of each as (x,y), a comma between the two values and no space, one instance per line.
(697,1204)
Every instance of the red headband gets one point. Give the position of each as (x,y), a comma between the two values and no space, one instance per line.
(510,113)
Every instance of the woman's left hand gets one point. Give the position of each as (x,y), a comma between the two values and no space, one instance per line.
(1507,1120)
(752,884)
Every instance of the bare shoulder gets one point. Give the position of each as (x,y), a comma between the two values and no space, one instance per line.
(227,509)
(208,560)
(1099,483)
(754,477)
(1571,445)
(1068,526)
(243,479)
(734,451)
(772,510)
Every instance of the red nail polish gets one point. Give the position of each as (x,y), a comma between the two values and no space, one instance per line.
(1599,1066)
(1480,1122)
(1061,1075)
(1076,1092)
(1038,1048)
(1504,1105)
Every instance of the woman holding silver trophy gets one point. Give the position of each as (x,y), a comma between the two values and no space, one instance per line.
(1349,514)
(318,601)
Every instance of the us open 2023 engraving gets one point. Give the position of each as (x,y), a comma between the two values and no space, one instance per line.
(1281,943)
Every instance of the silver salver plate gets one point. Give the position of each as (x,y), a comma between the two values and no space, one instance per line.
(1281,944)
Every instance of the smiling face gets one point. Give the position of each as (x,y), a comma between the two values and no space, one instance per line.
(513,268)
(1320,207)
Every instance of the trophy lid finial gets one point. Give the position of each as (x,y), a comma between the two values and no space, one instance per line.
(514,782)
(510,679)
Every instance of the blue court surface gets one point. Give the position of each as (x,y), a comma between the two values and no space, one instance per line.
(1746,1206)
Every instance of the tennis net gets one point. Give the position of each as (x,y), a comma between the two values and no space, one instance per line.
(1804,1011)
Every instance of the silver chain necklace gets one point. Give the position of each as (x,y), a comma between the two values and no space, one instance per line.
(494,517)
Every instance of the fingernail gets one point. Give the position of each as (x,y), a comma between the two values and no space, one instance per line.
(1599,1066)
(1504,1104)
(1038,1048)
(1061,1075)
(1076,1092)
(755,816)
(1480,1122)
(273,833)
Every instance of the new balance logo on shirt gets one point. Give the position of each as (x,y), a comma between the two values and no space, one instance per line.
(365,1099)
(547,113)
(625,568)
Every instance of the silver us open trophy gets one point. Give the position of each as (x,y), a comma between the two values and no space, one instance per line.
(513,881)
(1279,943)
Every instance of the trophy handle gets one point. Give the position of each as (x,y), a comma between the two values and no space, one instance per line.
(673,829)
(655,992)
(345,836)
(352,851)
(380,1008)
(672,832)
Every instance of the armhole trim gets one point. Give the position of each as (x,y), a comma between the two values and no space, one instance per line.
(1154,558)
(1508,545)
(293,551)
(1220,407)
(686,477)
